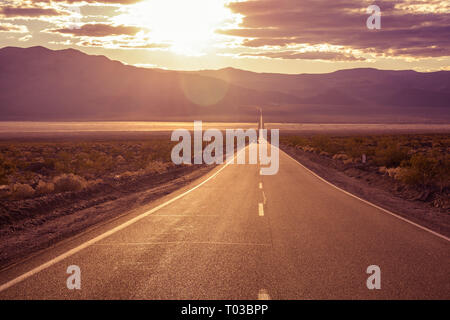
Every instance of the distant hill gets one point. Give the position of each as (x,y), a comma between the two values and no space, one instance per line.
(41,84)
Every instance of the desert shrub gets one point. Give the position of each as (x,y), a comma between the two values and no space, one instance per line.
(442,178)
(308,149)
(45,187)
(340,156)
(297,141)
(5,192)
(95,182)
(62,162)
(320,141)
(382,170)
(390,156)
(127,174)
(325,143)
(120,160)
(22,191)
(7,167)
(156,167)
(396,173)
(69,182)
(421,170)
(354,147)
(49,164)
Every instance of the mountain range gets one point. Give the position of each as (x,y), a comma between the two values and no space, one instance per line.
(40,84)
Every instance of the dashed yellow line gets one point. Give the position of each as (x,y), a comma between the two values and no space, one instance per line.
(261,209)
(263,294)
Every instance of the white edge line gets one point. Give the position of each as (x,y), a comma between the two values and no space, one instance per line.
(370,203)
(106,234)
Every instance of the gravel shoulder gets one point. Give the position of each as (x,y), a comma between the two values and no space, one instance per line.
(378,189)
(41,222)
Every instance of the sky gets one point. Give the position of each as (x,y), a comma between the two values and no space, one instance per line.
(282,36)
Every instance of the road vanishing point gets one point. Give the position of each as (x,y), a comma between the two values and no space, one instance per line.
(234,234)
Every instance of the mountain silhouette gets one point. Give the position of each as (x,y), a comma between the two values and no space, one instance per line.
(41,84)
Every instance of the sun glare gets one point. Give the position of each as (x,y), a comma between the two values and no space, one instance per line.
(187,26)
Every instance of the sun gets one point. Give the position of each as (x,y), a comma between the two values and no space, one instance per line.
(186,25)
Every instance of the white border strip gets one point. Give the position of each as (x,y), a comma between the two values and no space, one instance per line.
(107,234)
(370,203)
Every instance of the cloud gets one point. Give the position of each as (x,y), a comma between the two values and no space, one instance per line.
(408,27)
(118,2)
(308,55)
(26,38)
(146,46)
(29,12)
(99,30)
(146,65)
(123,42)
(8,27)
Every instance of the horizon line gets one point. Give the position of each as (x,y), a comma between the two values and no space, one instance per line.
(161,68)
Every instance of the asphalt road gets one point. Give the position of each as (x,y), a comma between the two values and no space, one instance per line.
(239,235)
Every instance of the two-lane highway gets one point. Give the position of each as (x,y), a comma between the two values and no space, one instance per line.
(211,241)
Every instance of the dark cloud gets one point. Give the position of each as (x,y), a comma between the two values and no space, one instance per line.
(30,12)
(310,55)
(99,30)
(343,23)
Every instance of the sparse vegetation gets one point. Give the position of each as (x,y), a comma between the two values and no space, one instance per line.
(44,187)
(21,191)
(34,169)
(62,187)
(69,182)
(420,161)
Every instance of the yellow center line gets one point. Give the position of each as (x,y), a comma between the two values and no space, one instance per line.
(263,294)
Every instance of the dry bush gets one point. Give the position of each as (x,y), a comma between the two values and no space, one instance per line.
(93,183)
(421,170)
(340,156)
(22,191)
(127,174)
(349,161)
(7,167)
(69,182)
(156,167)
(382,170)
(308,149)
(396,173)
(120,160)
(45,187)
(390,156)
(5,192)
(324,143)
